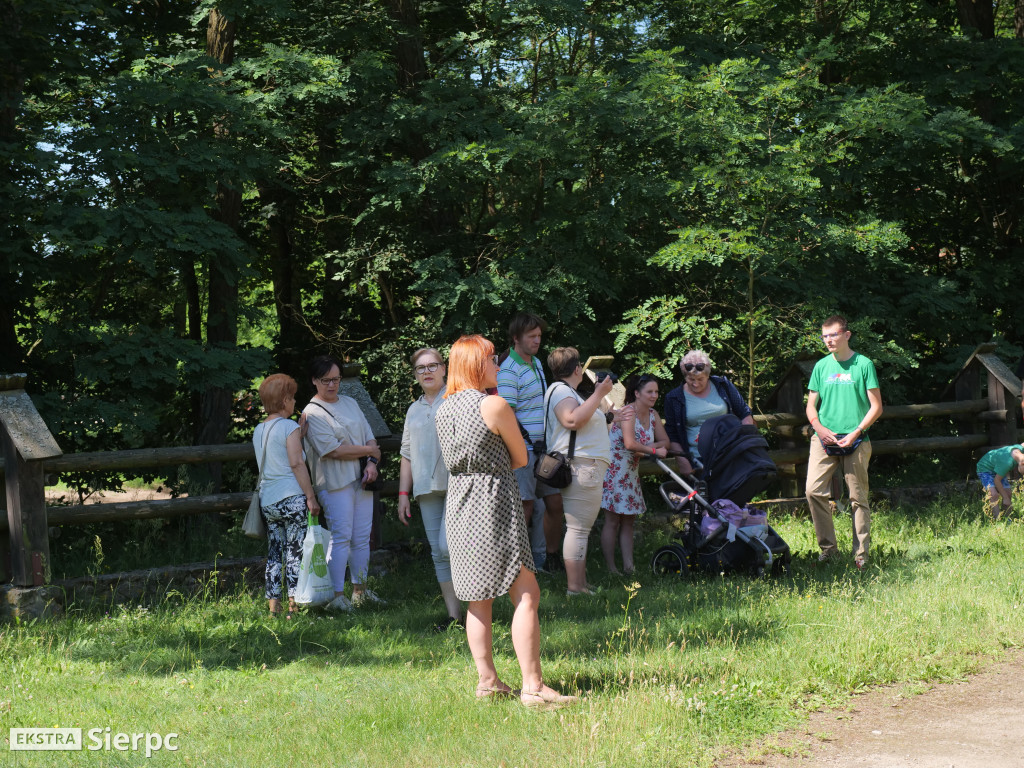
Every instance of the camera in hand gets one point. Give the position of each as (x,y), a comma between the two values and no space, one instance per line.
(602,375)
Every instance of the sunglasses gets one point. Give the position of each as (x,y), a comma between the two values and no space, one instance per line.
(698,367)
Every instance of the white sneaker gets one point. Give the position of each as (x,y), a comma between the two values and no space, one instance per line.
(367,597)
(340,603)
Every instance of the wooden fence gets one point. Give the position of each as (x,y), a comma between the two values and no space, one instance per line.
(982,418)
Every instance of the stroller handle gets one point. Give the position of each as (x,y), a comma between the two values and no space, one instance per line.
(687,486)
(693,494)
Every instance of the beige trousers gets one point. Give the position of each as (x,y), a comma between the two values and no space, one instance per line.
(581,501)
(820,468)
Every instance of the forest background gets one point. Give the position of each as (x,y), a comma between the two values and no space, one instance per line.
(197,194)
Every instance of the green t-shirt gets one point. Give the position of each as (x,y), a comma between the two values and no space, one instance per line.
(842,389)
(999,461)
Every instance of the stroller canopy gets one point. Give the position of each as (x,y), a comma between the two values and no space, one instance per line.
(736,462)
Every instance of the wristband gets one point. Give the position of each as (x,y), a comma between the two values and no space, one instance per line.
(372,459)
(403,493)
(815,419)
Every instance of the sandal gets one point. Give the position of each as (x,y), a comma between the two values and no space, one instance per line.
(493,692)
(546,698)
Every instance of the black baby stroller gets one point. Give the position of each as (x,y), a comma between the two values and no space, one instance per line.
(723,538)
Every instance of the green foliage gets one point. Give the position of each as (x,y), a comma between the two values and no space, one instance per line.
(648,177)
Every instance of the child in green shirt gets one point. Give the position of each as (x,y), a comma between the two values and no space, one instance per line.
(992,471)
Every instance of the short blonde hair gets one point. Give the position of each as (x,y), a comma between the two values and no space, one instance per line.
(696,356)
(423,351)
(563,361)
(275,389)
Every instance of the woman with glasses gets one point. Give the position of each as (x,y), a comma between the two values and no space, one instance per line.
(639,432)
(699,398)
(337,437)
(423,475)
(490,551)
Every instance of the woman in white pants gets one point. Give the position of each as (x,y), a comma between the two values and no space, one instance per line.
(566,411)
(337,437)
(423,475)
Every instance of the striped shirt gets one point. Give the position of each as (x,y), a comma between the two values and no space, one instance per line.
(523,386)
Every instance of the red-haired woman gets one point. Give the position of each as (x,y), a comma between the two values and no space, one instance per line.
(286,492)
(487,541)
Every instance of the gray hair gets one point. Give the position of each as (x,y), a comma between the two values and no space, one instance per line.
(696,356)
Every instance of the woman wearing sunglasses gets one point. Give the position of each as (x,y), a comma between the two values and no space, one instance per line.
(700,397)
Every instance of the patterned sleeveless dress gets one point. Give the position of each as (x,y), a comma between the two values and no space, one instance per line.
(487,540)
(622,492)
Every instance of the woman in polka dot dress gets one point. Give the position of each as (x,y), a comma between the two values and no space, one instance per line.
(487,541)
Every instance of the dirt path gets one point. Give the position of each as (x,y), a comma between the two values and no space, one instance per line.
(977,723)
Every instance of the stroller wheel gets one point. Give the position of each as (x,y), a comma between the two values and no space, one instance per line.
(670,560)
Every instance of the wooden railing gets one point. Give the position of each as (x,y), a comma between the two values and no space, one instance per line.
(790,424)
(981,421)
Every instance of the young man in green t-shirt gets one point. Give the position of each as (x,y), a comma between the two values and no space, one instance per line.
(843,402)
(992,471)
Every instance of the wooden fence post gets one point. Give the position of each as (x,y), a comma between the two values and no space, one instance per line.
(788,398)
(1003,393)
(1002,390)
(26,444)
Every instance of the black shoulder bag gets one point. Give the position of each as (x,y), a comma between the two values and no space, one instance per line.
(553,468)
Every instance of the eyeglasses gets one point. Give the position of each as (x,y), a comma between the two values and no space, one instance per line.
(428,368)
(828,336)
(690,367)
(328,382)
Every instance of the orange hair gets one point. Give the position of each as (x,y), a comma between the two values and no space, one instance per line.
(467,363)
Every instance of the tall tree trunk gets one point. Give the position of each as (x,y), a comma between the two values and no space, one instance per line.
(412,64)
(977,14)
(214,415)
(1018,20)
(15,238)
(294,341)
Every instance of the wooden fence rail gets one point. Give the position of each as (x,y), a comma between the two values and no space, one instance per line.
(981,421)
(149,458)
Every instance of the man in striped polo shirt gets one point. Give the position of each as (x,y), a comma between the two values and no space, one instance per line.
(521,382)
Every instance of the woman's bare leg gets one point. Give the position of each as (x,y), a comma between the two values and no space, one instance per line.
(525,595)
(626,542)
(576,575)
(479,636)
(609,535)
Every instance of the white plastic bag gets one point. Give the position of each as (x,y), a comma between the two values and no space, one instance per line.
(315,586)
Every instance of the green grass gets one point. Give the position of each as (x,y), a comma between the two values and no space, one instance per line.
(673,672)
